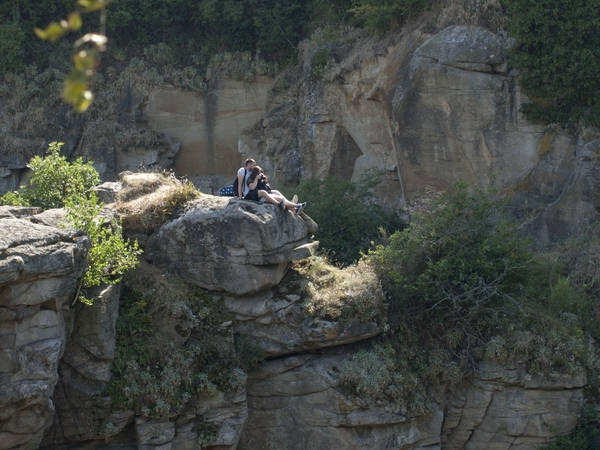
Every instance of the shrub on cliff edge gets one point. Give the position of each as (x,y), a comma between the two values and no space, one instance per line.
(57,183)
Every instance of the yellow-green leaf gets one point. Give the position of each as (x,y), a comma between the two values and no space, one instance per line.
(53,32)
(92,5)
(73,91)
(74,21)
(86,60)
(84,101)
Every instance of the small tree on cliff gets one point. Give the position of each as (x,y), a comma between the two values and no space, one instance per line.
(57,183)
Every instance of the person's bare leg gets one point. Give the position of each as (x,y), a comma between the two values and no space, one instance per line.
(268,197)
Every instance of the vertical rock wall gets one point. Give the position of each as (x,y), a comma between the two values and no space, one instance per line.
(39,269)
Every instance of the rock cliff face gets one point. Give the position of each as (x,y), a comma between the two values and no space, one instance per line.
(39,268)
(56,361)
(423,108)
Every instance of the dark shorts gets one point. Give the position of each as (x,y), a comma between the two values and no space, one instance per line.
(252,195)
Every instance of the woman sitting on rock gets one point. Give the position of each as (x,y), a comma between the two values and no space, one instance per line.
(260,191)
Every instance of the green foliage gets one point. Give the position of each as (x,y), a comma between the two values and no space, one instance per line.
(557,52)
(55,181)
(172,348)
(461,283)
(348,217)
(319,62)
(463,263)
(381,15)
(272,28)
(76,88)
(110,255)
(370,373)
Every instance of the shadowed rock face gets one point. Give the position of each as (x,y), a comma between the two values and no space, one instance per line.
(296,391)
(231,245)
(39,269)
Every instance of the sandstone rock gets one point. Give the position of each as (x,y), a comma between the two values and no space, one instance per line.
(39,269)
(82,406)
(207,125)
(571,196)
(279,322)
(505,408)
(237,246)
(298,396)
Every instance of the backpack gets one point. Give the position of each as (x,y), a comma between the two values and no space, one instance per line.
(231,190)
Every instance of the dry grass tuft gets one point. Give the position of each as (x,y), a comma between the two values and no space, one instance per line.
(148,200)
(334,293)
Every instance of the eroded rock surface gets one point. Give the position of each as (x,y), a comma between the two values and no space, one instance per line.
(39,270)
(231,245)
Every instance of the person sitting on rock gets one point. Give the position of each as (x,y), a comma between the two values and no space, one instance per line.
(260,191)
(242,174)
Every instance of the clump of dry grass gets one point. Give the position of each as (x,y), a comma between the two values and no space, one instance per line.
(334,293)
(148,200)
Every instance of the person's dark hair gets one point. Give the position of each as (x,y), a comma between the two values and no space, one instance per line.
(256,171)
(248,161)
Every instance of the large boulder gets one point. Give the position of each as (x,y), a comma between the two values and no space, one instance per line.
(231,245)
(39,270)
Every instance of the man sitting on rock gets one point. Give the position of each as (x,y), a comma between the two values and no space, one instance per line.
(242,175)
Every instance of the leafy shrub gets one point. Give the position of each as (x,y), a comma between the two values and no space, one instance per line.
(110,255)
(462,284)
(348,217)
(172,346)
(369,373)
(585,436)
(57,183)
(11,47)
(319,62)
(557,52)
(464,263)
(381,15)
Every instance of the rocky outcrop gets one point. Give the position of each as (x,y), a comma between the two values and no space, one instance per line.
(39,270)
(297,390)
(231,245)
(300,396)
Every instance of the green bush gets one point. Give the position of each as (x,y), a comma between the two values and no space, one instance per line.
(172,347)
(110,255)
(585,436)
(557,52)
(348,217)
(57,183)
(464,263)
(382,15)
(462,284)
